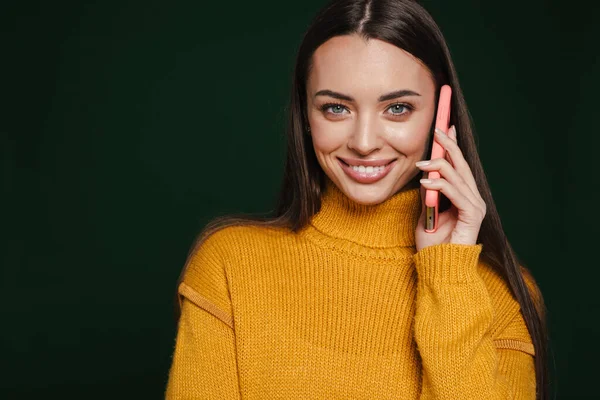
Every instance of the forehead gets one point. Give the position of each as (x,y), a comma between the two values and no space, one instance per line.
(354,65)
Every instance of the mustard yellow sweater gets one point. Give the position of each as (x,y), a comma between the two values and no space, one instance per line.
(347,309)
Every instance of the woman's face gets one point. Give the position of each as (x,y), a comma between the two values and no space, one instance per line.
(369,103)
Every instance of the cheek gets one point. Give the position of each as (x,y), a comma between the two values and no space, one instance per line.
(327,136)
(409,138)
(327,139)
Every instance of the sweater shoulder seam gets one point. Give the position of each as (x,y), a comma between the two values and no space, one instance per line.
(513,344)
(207,305)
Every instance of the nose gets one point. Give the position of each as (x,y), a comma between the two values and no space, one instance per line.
(366,136)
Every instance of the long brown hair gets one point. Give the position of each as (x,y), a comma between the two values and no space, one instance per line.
(407,25)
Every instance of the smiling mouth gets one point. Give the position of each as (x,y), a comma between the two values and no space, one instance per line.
(356,165)
(367,174)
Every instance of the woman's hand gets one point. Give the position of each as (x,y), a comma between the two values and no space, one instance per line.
(461,222)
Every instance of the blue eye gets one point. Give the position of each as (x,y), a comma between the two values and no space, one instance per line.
(395,107)
(398,109)
(338,108)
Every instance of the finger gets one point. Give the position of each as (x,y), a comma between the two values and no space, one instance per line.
(458,160)
(448,158)
(456,196)
(451,135)
(451,175)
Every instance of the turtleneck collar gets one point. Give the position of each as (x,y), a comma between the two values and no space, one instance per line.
(391,223)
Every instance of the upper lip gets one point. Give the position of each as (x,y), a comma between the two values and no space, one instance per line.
(366,163)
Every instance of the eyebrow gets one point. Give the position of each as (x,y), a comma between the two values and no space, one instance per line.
(387,96)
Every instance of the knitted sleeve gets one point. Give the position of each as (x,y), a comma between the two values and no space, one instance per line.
(204,364)
(461,358)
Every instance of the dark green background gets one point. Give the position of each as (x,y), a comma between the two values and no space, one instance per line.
(127,125)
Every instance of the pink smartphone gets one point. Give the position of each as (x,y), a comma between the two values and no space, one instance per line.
(432,197)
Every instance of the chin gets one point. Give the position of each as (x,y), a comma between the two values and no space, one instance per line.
(367,194)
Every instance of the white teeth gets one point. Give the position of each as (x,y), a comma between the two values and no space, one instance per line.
(369,170)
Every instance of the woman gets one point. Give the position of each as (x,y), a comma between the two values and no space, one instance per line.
(342,294)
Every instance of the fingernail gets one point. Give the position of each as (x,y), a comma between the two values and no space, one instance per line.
(421,163)
(453,129)
(425,181)
(439,132)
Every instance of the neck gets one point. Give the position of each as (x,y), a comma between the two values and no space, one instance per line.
(391,223)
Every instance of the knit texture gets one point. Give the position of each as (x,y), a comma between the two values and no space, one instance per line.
(347,309)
